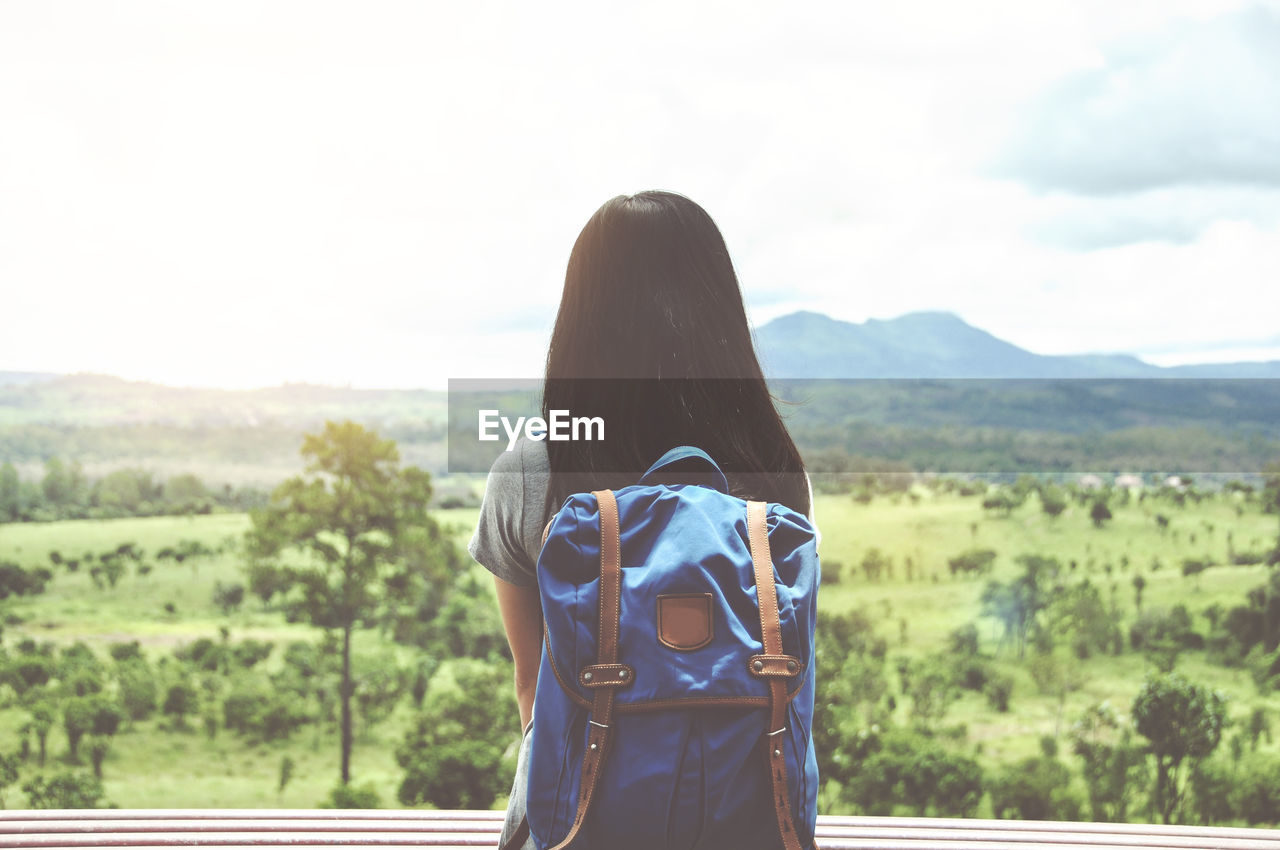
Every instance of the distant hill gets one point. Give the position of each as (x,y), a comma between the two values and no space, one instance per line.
(224,436)
(86,399)
(942,345)
(1008,410)
(13,378)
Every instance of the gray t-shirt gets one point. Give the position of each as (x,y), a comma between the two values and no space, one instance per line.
(509,532)
(508,535)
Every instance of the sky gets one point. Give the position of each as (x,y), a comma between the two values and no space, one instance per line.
(385,194)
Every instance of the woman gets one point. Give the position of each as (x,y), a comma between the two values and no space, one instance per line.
(652,338)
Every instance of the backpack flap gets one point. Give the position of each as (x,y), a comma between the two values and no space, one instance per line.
(689,623)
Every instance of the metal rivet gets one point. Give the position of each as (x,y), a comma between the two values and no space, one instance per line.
(586,677)
(791,667)
(777,752)
(622,674)
(758,666)
(594,747)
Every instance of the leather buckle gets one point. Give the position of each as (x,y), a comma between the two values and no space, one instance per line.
(606,676)
(774,666)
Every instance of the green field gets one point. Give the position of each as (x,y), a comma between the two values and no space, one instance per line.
(151,765)
(940,527)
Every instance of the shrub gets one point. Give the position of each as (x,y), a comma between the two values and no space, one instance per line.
(256,709)
(914,771)
(1036,788)
(352,797)
(453,754)
(70,790)
(998,690)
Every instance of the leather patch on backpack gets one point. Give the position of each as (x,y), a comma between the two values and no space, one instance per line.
(684,620)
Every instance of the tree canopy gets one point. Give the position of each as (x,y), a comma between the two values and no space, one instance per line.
(341,529)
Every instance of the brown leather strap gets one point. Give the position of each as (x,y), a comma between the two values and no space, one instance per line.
(600,723)
(771,637)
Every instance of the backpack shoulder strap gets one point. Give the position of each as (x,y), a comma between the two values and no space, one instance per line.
(606,675)
(774,667)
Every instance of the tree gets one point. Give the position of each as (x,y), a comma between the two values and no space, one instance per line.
(179,701)
(56,484)
(352,515)
(378,688)
(1183,723)
(907,769)
(1258,790)
(1052,501)
(1162,634)
(228,597)
(266,580)
(932,687)
(874,563)
(1114,768)
(1271,504)
(113,568)
(286,773)
(454,755)
(1036,788)
(138,690)
(1099,513)
(28,671)
(1058,674)
(15,581)
(1078,618)
(468,625)
(77,720)
(43,715)
(186,493)
(973,561)
(848,696)
(255,708)
(92,714)
(98,747)
(1018,604)
(1214,791)
(11,507)
(8,773)
(127,491)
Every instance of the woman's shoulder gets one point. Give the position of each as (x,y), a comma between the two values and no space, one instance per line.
(508,533)
(527,458)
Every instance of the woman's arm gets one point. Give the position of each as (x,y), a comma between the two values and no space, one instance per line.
(522,618)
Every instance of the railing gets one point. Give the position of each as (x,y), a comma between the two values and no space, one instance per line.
(302,828)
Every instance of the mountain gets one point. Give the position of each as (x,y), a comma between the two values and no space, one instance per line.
(942,345)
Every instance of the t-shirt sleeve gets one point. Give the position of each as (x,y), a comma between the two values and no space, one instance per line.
(817,534)
(498,540)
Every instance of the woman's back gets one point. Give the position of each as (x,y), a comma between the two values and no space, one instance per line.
(652,339)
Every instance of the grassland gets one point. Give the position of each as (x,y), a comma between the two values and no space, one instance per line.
(151,765)
(927,610)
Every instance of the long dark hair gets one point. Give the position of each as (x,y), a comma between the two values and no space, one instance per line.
(652,337)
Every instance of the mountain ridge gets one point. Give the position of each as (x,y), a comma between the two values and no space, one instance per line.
(940,344)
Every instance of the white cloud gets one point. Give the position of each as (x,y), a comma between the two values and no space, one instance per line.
(1191,103)
(386,194)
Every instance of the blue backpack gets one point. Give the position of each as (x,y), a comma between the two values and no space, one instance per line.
(675,698)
